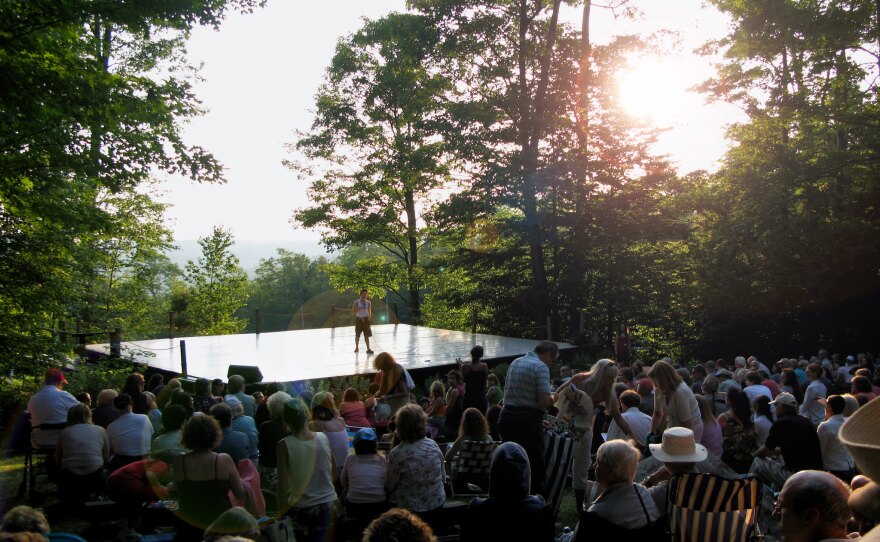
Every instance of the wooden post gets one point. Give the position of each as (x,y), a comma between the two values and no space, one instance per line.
(394,311)
(170,324)
(116,343)
(583,323)
(258,323)
(549,328)
(183,358)
(474,320)
(332,316)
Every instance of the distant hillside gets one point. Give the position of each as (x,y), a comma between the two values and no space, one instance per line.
(249,252)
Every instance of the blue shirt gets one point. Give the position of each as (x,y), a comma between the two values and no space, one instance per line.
(234,443)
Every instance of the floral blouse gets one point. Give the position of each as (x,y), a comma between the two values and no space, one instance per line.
(415,476)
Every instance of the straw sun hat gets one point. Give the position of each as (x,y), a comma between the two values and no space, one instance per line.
(861,436)
(678,446)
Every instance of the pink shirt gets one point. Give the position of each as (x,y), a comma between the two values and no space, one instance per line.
(354,413)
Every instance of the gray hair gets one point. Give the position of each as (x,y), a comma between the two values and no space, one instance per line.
(621,458)
(236,384)
(275,403)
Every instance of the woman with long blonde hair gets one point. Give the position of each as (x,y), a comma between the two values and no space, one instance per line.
(583,392)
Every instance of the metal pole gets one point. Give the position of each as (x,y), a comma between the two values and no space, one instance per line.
(549,328)
(474,320)
(183,358)
(170,324)
(333,316)
(258,321)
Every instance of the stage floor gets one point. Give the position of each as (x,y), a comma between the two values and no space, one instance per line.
(287,356)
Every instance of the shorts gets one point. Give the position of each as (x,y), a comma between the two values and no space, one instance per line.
(362,325)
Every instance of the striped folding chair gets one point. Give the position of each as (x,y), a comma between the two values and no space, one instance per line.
(558,448)
(711,508)
(472,466)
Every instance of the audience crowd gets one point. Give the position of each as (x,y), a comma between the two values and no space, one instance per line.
(219,459)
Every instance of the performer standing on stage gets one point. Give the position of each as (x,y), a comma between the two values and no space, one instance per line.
(362,309)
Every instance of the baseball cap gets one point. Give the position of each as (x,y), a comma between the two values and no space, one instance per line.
(786,399)
(55,376)
(367,433)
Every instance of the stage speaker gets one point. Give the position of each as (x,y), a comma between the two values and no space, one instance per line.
(250,373)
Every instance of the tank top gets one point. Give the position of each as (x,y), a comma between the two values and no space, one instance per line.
(201,501)
(309,470)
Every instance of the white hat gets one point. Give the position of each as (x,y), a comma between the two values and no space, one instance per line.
(678,446)
(786,399)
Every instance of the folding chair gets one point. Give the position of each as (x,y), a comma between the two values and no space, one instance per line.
(472,466)
(558,449)
(711,508)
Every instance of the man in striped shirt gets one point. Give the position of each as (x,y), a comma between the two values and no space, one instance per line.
(527,394)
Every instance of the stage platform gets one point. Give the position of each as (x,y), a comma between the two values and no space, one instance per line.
(287,356)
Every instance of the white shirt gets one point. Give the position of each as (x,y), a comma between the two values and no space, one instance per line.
(843,373)
(754,391)
(638,421)
(131,434)
(49,406)
(834,456)
(762,429)
(810,407)
(362,308)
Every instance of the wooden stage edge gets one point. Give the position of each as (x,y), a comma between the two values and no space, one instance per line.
(309,354)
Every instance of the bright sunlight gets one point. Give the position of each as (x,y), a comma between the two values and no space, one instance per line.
(649,88)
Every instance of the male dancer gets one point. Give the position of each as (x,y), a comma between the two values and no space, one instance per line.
(363,313)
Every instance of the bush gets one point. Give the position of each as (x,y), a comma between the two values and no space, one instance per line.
(94,378)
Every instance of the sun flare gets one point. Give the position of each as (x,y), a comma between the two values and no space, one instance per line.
(648,89)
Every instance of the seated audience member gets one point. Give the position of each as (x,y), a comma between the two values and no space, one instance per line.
(326,419)
(868,373)
(24,519)
(85,398)
(713,439)
(415,466)
(770,383)
(763,419)
(639,422)
(811,407)
(852,404)
(835,457)
(437,407)
(645,389)
(492,416)
(713,397)
(203,478)
(244,424)
(139,482)
(130,435)
(236,388)
(739,440)
(680,454)
(82,452)
(370,404)
(494,391)
(306,476)
(621,502)
(153,412)
(155,383)
(235,522)
(168,444)
(352,409)
(262,411)
(797,440)
(48,409)
(202,398)
(182,398)
(105,413)
(363,477)
(509,513)
(698,375)
(473,428)
(812,507)
(861,385)
(218,389)
(134,386)
(398,525)
(755,387)
(271,431)
(235,443)
(726,381)
(790,383)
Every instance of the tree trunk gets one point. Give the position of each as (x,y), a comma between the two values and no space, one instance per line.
(412,280)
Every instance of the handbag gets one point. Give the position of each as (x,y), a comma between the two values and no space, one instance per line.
(382,411)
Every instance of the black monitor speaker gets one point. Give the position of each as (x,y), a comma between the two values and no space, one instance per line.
(251,373)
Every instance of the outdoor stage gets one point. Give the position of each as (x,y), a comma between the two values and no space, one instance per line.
(287,356)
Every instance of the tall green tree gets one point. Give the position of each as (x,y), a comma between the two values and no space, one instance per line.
(376,150)
(283,284)
(92,102)
(218,287)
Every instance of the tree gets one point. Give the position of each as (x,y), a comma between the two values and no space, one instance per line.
(93,98)
(218,285)
(283,285)
(376,149)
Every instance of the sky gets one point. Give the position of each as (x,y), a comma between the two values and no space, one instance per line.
(261,71)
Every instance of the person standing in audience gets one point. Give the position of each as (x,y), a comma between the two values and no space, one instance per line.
(792,435)
(392,386)
(454,402)
(811,407)
(130,435)
(474,375)
(835,457)
(306,476)
(674,402)
(527,395)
